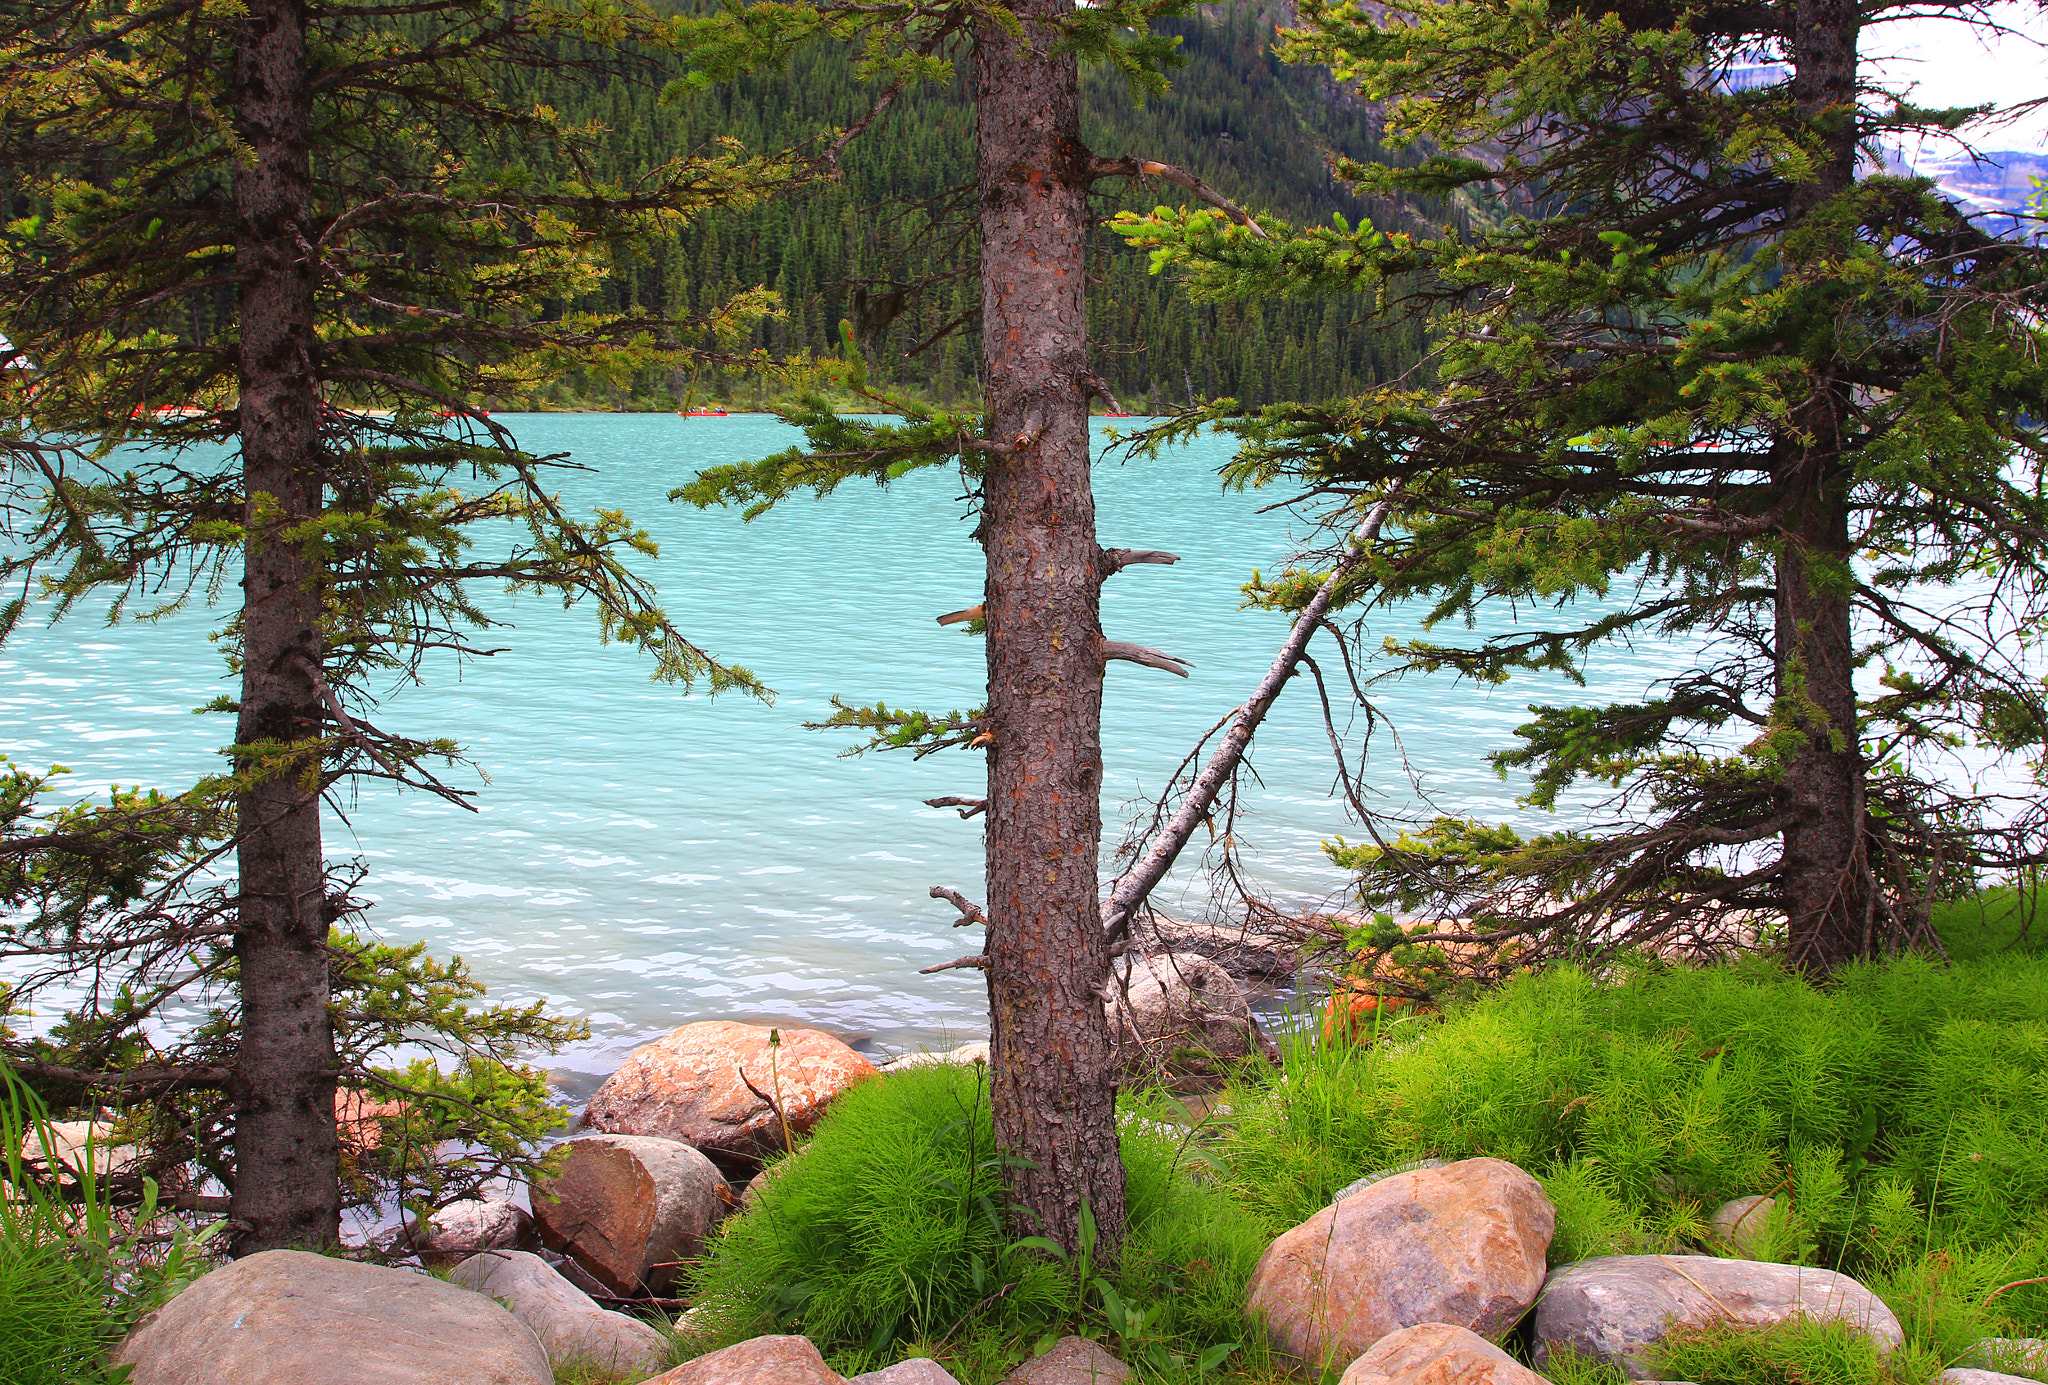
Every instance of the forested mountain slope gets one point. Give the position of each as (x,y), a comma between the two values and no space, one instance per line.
(1237,118)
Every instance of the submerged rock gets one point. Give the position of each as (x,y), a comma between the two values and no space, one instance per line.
(629,1207)
(1614,1308)
(286,1315)
(716,1086)
(1463,1244)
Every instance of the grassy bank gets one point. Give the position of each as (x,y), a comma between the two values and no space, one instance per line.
(1899,1114)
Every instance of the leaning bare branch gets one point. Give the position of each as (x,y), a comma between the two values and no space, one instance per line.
(1136,884)
(968,807)
(961,617)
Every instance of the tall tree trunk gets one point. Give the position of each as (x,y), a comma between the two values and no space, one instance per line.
(286,1191)
(1054,1081)
(1825,870)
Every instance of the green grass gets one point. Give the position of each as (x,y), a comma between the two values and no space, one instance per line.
(1797,1352)
(886,1237)
(71,1278)
(1999,920)
(1897,1112)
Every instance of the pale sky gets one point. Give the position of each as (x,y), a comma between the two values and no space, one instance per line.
(1950,65)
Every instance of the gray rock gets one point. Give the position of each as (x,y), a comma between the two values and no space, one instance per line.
(965,1055)
(920,1370)
(757,1361)
(1744,1224)
(1241,951)
(568,1321)
(463,1228)
(1963,1375)
(583,1279)
(285,1315)
(1380,1175)
(1463,1245)
(1179,1017)
(629,1207)
(1615,1307)
(1072,1361)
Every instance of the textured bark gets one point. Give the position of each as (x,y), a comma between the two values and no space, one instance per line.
(1825,869)
(286,1189)
(1054,1090)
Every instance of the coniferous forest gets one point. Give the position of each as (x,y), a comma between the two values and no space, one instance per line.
(885,246)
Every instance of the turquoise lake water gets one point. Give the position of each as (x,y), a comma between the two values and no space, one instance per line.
(642,858)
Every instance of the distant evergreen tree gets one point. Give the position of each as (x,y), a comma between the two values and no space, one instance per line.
(882,245)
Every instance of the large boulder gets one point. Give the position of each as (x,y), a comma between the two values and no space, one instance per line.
(709,1085)
(285,1315)
(1437,1353)
(1357,1186)
(759,1361)
(1177,1017)
(1072,1361)
(568,1321)
(1614,1308)
(461,1229)
(1967,1375)
(1463,1244)
(627,1208)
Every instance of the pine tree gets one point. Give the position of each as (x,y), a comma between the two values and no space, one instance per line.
(1702,371)
(1048,952)
(269,265)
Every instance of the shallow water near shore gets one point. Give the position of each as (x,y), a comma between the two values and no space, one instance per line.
(641,858)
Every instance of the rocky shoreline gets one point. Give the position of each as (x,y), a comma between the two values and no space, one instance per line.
(1406,1278)
(1411,1275)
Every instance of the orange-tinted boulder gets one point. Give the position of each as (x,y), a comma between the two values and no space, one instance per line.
(757,1361)
(629,1209)
(716,1086)
(1437,1353)
(1463,1245)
